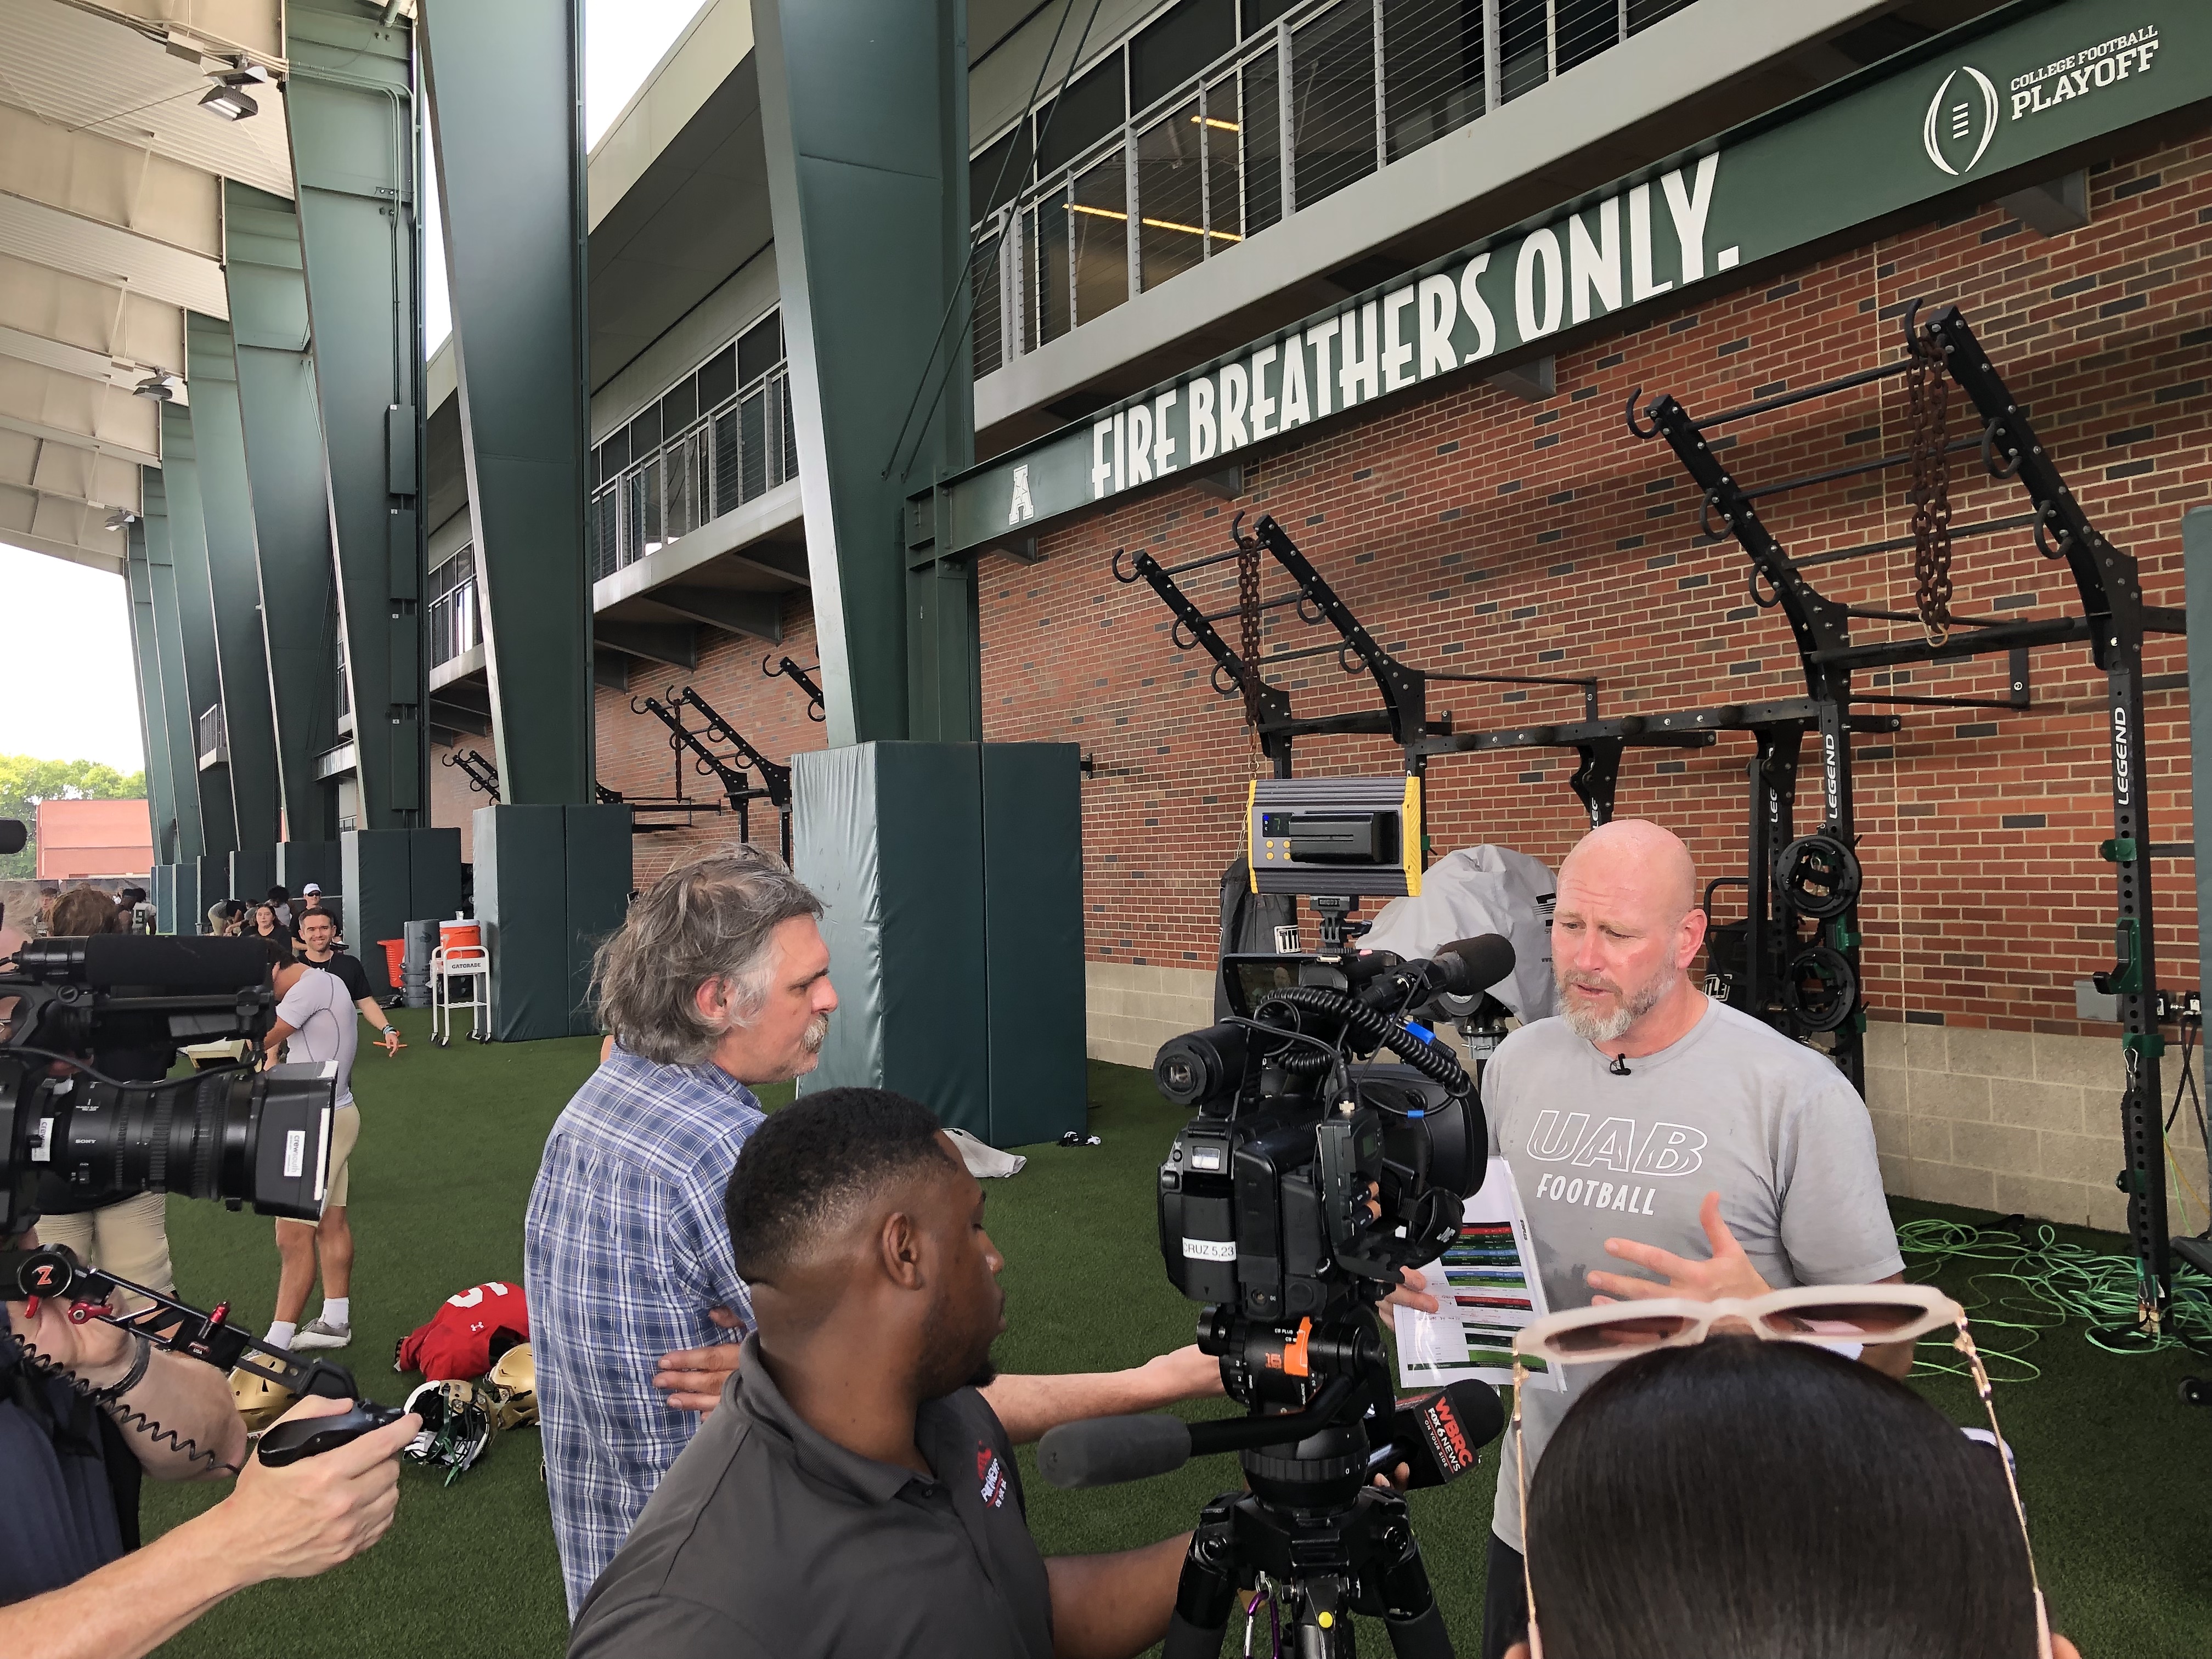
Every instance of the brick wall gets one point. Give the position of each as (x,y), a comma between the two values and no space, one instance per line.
(1474,533)
(634,758)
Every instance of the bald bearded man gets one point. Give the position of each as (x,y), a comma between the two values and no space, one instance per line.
(1649,1127)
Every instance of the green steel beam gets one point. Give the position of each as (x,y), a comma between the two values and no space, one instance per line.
(153,713)
(349,103)
(169,649)
(864,111)
(188,551)
(285,465)
(233,579)
(506,103)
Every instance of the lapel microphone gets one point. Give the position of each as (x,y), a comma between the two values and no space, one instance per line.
(1619,1066)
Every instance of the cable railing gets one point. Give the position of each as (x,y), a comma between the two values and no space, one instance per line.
(453,624)
(742,448)
(1326,95)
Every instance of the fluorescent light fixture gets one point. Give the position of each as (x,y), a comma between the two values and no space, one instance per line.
(162,385)
(232,103)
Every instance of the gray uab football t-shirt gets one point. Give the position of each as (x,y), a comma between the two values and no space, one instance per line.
(1734,1108)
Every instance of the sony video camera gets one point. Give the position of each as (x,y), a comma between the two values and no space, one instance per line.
(232,1134)
(1312,1175)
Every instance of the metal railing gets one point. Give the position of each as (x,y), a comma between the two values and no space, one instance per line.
(1228,154)
(454,607)
(741,448)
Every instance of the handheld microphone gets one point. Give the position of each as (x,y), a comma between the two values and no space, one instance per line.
(1619,1066)
(1438,1434)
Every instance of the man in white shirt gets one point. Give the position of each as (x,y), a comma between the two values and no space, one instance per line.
(315,1022)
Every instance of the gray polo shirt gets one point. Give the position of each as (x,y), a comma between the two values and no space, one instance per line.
(767,1541)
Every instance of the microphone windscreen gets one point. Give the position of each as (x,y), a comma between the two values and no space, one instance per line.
(1109,1450)
(1474,964)
(176,964)
(1438,1434)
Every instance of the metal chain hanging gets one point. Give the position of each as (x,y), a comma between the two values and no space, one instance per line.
(1930,388)
(1248,619)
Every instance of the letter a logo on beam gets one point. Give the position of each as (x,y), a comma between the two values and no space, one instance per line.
(1021,506)
(1953,124)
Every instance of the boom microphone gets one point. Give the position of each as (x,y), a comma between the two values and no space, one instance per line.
(1109,1450)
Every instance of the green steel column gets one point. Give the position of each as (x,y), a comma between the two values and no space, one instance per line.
(153,713)
(291,504)
(506,111)
(349,102)
(233,579)
(864,111)
(188,551)
(169,648)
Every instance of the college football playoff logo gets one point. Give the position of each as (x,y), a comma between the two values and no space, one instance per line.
(1961,119)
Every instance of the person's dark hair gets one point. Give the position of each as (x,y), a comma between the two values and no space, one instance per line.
(278,947)
(800,1176)
(1752,1500)
(278,895)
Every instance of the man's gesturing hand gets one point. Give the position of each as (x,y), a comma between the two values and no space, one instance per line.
(1727,1273)
(692,1378)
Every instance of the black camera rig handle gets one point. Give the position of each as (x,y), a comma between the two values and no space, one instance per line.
(53,1272)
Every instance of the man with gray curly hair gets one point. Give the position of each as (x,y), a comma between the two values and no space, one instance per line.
(718,980)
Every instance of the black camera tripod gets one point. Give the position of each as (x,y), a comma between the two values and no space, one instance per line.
(1314,1535)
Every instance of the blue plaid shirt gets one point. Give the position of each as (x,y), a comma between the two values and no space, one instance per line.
(625,1249)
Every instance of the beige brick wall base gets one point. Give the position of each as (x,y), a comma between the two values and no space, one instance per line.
(2012,1121)
(1133,1008)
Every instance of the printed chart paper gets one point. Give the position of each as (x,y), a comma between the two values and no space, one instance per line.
(1488,1285)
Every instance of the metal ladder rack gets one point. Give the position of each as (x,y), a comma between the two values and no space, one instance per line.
(738,790)
(2113,622)
(802,676)
(482,775)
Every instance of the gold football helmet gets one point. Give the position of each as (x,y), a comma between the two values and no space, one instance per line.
(512,1383)
(260,1401)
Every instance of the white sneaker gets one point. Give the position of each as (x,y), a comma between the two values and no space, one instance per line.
(320,1333)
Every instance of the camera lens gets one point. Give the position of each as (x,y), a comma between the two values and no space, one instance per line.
(236,1136)
(1201,1067)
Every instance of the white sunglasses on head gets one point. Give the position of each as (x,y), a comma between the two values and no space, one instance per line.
(1816,1314)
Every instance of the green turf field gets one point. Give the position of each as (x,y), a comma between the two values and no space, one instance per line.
(2118,1473)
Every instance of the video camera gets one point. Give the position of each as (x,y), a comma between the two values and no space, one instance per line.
(1311,1176)
(232,1134)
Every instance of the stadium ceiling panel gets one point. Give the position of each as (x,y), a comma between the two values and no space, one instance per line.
(100,69)
(111,229)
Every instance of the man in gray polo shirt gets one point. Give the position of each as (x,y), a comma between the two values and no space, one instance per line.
(1647,1125)
(854,1493)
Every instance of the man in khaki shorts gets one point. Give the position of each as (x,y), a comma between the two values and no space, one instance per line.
(315,1020)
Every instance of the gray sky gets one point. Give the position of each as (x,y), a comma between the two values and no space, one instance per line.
(70,690)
